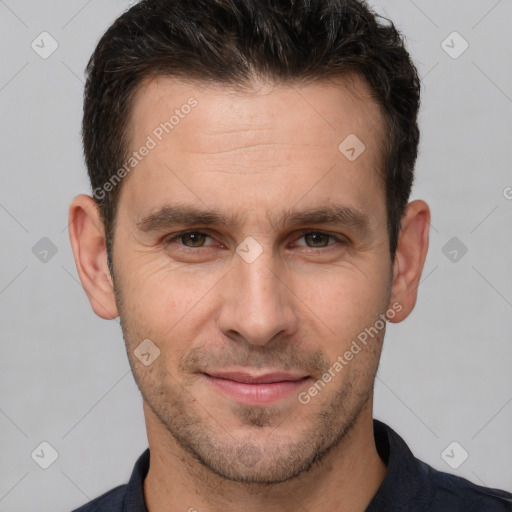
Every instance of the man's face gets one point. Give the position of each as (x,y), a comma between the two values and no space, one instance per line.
(257,296)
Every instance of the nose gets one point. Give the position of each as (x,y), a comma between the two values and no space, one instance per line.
(257,303)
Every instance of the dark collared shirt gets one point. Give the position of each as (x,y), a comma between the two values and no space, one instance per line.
(410,485)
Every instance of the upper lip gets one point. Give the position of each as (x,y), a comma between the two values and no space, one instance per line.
(256,378)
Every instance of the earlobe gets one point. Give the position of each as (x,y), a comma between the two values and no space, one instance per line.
(410,257)
(87,236)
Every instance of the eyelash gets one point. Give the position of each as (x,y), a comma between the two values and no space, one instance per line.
(173,238)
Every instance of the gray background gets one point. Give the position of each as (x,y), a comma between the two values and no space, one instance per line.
(445,373)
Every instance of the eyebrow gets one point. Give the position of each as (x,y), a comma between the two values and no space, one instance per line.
(179,214)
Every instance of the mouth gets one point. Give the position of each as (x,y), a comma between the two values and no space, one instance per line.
(251,388)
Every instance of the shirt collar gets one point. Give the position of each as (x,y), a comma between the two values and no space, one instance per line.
(407,478)
(134,495)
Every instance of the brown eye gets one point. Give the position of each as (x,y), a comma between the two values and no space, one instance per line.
(193,239)
(317,240)
(190,239)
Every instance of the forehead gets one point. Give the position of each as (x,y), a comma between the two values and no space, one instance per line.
(251,141)
(340,105)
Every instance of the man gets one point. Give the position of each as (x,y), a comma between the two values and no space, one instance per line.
(251,163)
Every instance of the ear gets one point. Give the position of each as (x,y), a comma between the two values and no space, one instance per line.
(87,235)
(410,258)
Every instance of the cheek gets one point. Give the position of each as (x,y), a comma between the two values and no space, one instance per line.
(166,304)
(346,301)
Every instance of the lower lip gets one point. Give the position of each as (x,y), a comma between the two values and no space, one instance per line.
(256,394)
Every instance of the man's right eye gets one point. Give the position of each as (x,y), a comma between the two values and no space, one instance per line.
(191,239)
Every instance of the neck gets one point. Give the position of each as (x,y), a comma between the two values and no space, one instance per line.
(345,479)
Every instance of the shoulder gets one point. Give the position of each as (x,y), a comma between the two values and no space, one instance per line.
(129,495)
(412,485)
(111,501)
(451,493)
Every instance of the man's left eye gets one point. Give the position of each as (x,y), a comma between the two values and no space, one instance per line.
(318,239)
